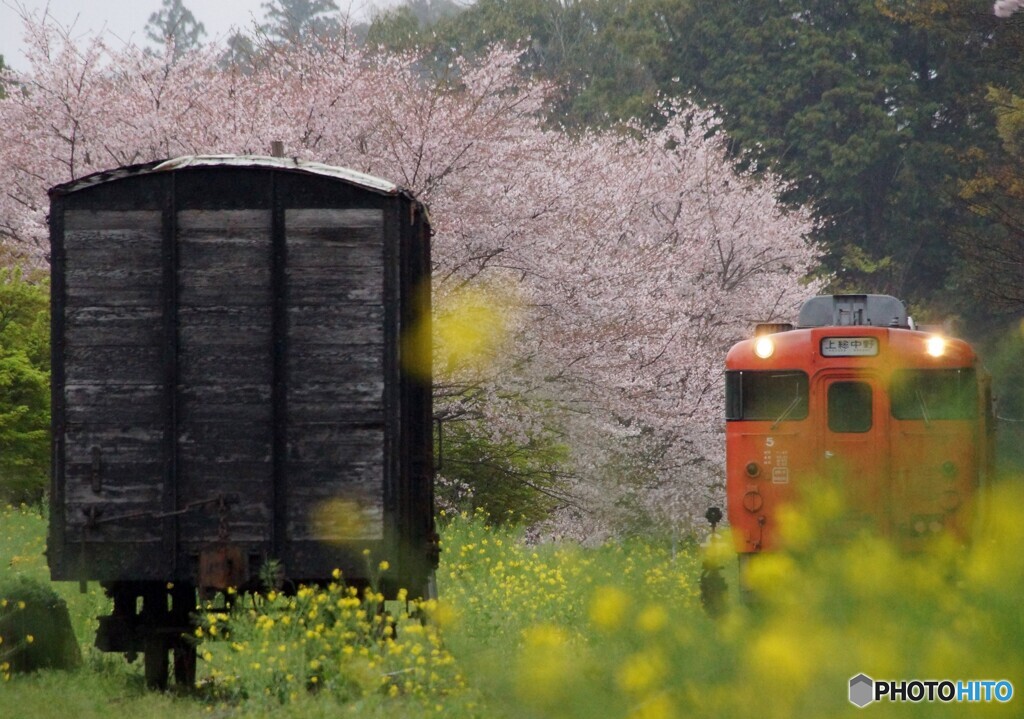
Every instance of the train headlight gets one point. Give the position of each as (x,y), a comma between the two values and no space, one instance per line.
(764,347)
(935,346)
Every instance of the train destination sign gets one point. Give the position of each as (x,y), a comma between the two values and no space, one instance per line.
(849,347)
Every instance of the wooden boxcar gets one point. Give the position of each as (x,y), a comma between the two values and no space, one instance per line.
(231,387)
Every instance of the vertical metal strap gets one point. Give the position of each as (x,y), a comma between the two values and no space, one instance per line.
(394,489)
(279,290)
(170,530)
(58,300)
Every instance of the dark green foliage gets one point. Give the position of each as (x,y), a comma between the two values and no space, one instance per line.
(867,113)
(411,24)
(175,22)
(993,246)
(24,387)
(396,29)
(35,627)
(511,481)
(595,51)
(241,54)
(295,21)
(876,111)
(1003,359)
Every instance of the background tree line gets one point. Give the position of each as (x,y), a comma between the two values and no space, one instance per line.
(881,113)
(899,121)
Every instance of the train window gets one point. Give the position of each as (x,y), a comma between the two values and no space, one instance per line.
(849,407)
(765,395)
(934,394)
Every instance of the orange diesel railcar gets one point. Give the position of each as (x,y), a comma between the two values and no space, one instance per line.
(855,395)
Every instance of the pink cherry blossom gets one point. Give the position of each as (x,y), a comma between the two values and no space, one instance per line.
(1006,8)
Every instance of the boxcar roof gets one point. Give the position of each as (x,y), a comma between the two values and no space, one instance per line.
(352,177)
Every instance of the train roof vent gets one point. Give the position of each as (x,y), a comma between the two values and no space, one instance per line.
(852,310)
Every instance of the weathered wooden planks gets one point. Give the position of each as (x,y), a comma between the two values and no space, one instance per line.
(225,369)
(335,382)
(113,372)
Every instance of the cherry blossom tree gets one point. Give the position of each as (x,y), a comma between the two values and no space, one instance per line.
(627,262)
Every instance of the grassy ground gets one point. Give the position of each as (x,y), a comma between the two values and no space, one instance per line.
(558,631)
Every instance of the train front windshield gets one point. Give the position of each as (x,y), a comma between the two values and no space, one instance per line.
(771,395)
(934,394)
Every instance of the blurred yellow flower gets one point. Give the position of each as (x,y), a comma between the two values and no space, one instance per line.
(545,666)
(608,608)
(641,671)
(653,618)
(466,328)
(659,706)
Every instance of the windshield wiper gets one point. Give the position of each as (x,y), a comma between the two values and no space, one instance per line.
(785,413)
(924,408)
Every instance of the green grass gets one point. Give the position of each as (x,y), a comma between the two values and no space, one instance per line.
(559,631)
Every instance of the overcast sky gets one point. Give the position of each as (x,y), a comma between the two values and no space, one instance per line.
(125,20)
